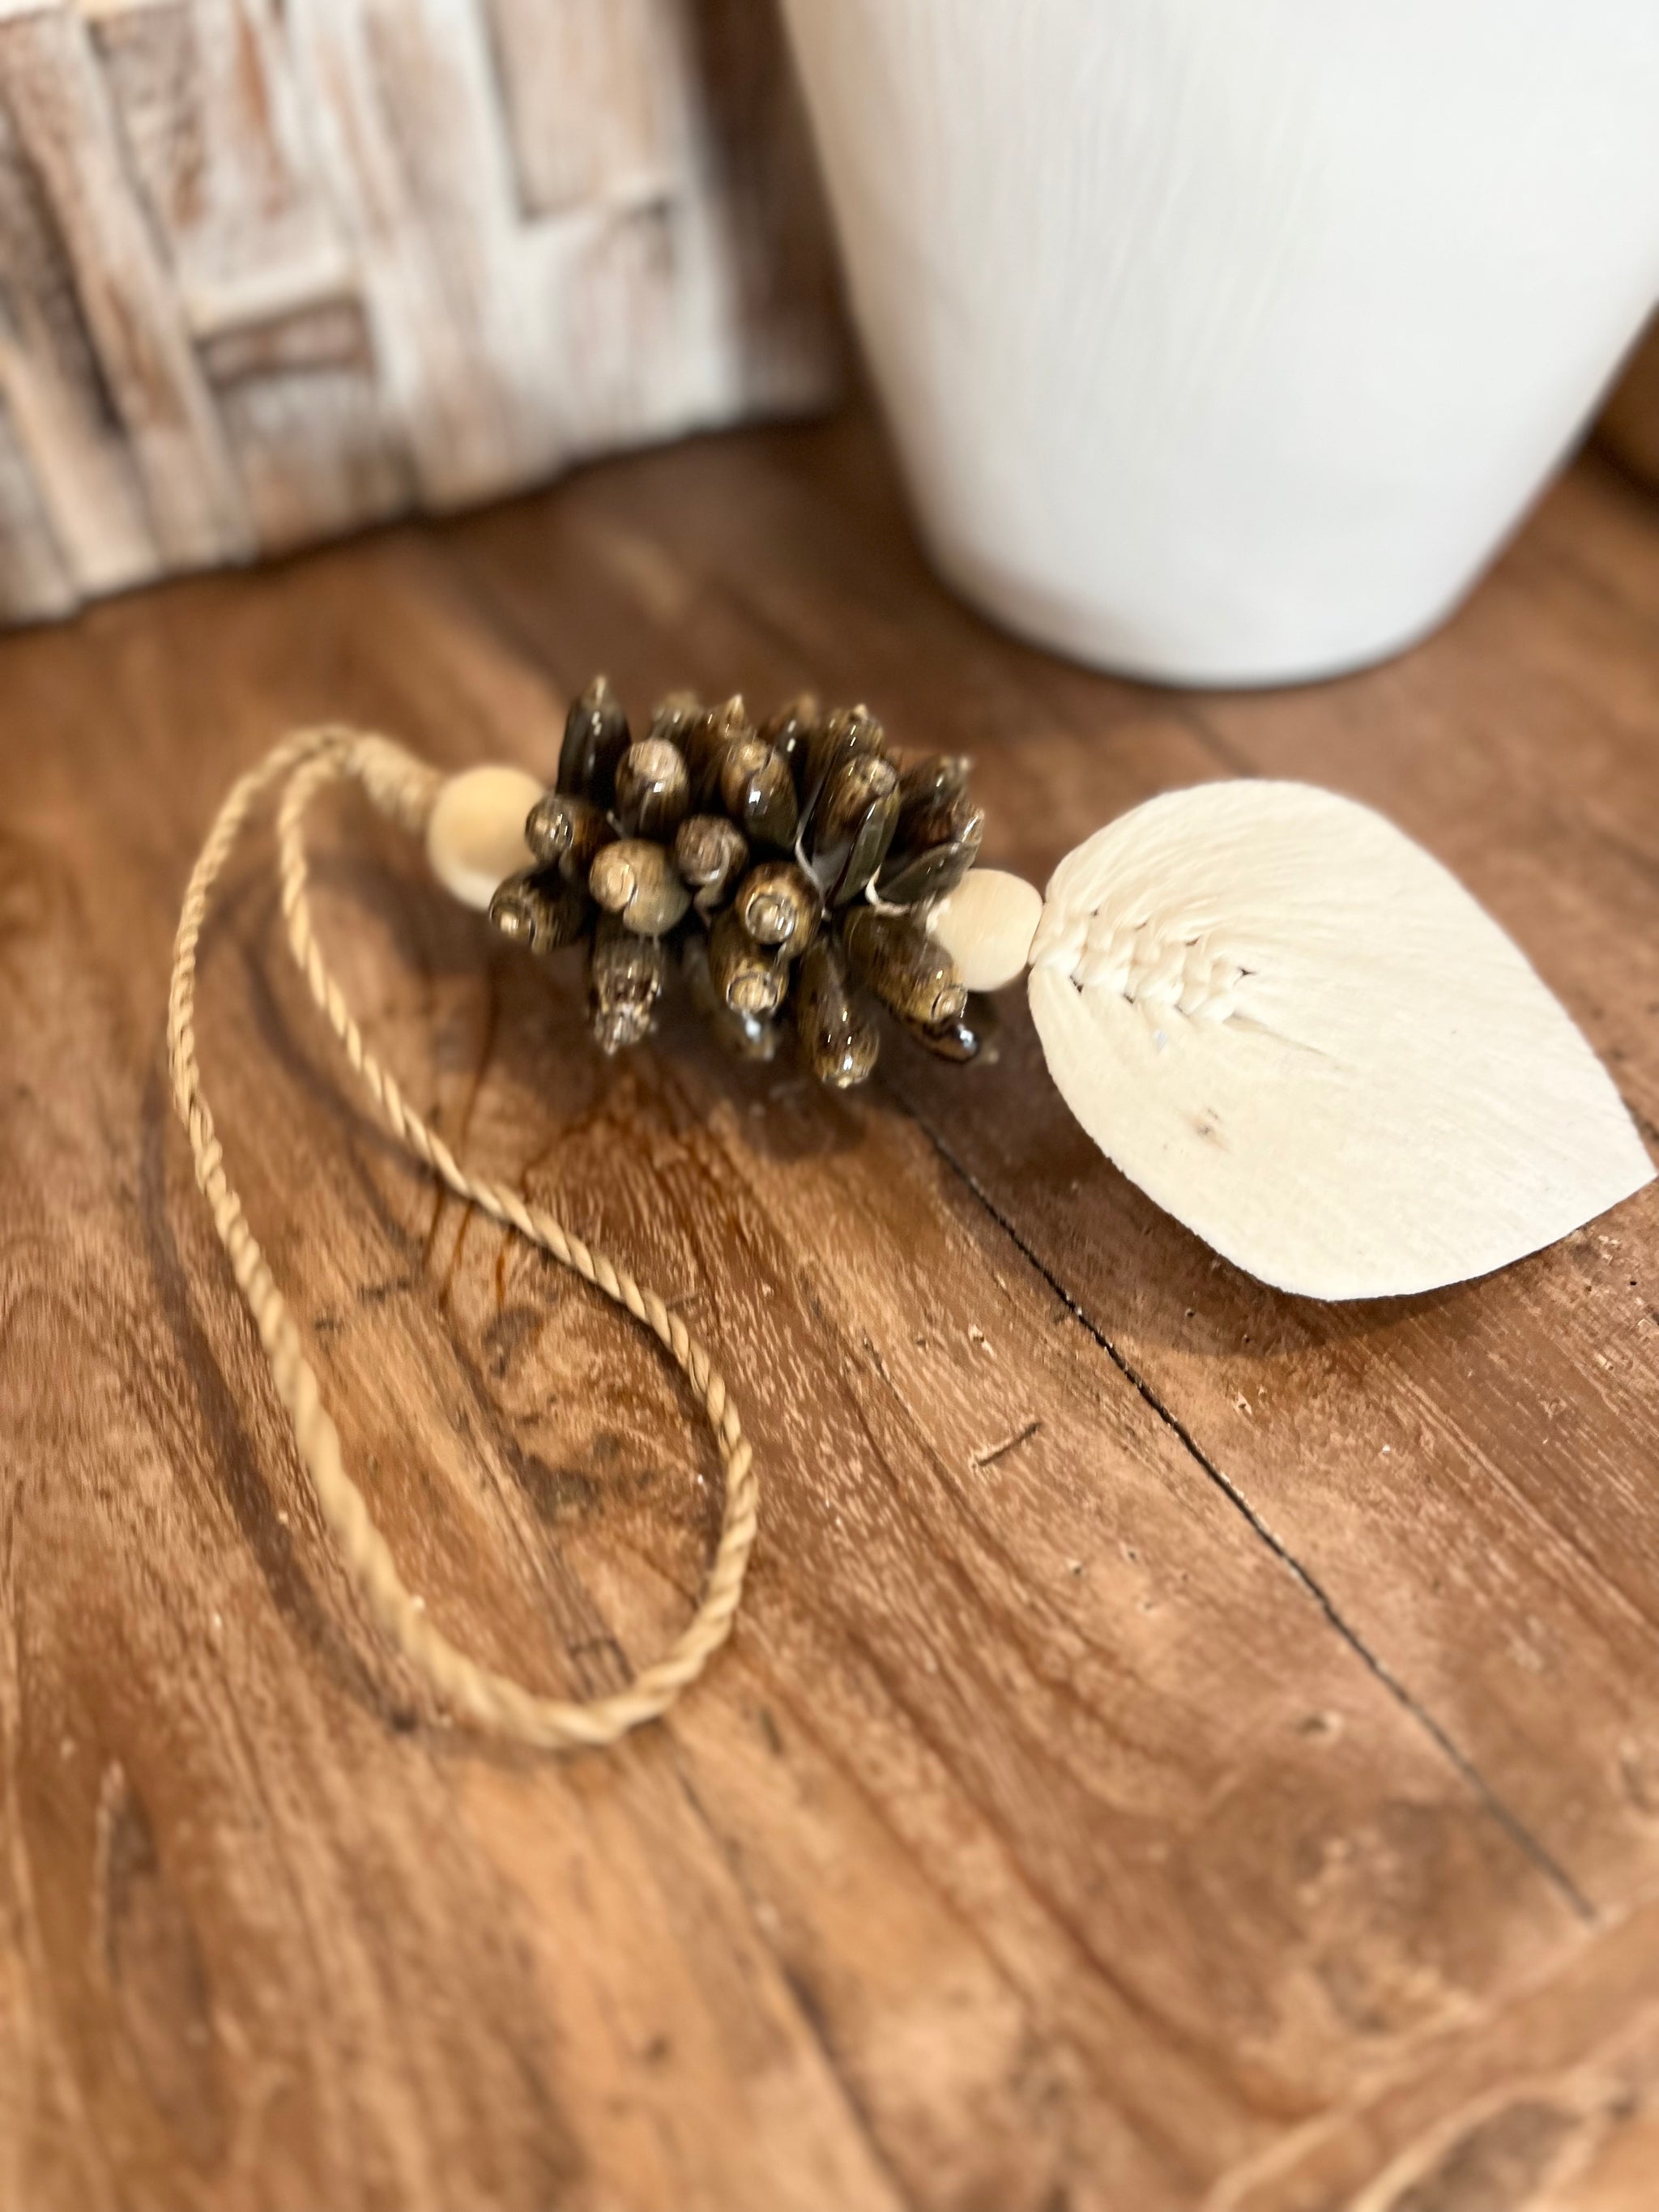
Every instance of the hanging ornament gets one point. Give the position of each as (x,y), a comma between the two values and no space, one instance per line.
(1284,1021)
(1281,1019)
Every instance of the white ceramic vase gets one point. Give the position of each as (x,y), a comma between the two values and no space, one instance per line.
(1224,340)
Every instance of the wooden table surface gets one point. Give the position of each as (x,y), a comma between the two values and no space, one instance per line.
(1183,1745)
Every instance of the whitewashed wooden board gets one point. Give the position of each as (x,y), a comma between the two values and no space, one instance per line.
(269,272)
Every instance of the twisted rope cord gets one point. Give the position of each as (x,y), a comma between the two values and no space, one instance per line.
(403,789)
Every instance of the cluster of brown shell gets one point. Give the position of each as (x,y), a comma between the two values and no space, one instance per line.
(788,867)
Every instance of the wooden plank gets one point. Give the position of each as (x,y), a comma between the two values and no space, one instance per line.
(278,272)
(612,98)
(211,118)
(589,99)
(670,130)
(69,443)
(1548,2107)
(66,132)
(1455,1431)
(510,346)
(33,580)
(463,301)
(1042,1838)
(209,1928)
(299,401)
(211,124)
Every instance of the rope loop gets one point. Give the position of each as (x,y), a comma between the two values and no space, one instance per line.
(403,789)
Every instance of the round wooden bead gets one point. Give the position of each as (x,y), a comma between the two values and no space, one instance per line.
(987,925)
(475,835)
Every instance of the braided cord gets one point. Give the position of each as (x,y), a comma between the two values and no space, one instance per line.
(404,788)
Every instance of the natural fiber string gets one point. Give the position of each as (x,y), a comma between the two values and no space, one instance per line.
(403,789)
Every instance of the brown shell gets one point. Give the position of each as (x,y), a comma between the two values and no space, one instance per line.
(838,1040)
(540,911)
(929,791)
(853,825)
(752,1037)
(902,965)
(625,976)
(778,903)
(758,793)
(595,738)
(637,880)
(911,874)
(565,831)
(653,789)
(751,978)
(970,1034)
(707,739)
(711,853)
(788,732)
(749,853)
(676,716)
(833,738)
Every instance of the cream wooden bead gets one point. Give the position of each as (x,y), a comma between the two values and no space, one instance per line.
(987,925)
(475,836)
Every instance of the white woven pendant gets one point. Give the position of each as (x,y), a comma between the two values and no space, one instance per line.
(1296,1031)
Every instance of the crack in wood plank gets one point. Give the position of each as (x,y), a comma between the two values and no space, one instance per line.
(1399,1691)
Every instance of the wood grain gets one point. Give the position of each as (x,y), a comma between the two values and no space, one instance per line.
(272,271)
(1182,1747)
(67,132)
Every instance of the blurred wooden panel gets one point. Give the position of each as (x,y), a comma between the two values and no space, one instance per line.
(589,89)
(218,150)
(33,577)
(69,443)
(67,132)
(301,407)
(270,272)
(402,94)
